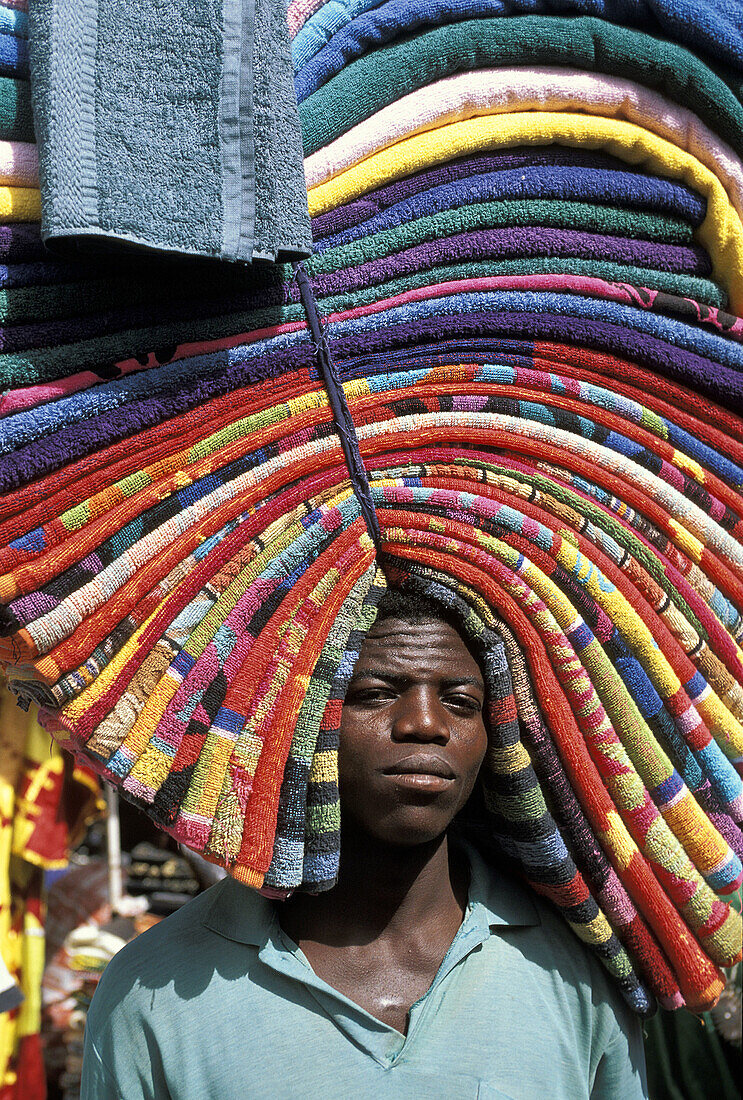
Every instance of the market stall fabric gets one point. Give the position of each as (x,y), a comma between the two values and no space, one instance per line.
(508,376)
(45,802)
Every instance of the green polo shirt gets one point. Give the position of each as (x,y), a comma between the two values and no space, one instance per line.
(216,1002)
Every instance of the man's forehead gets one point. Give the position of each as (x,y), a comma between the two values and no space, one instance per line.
(430,646)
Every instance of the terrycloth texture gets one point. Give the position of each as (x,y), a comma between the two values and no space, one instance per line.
(491,91)
(13,21)
(376,265)
(655,227)
(44,332)
(19,204)
(540,359)
(712,27)
(728,548)
(679,207)
(718,381)
(17,306)
(457,296)
(583,287)
(480,297)
(19,164)
(16,122)
(381,78)
(389,21)
(20,243)
(593,282)
(383,279)
(193,321)
(298,12)
(281,227)
(474,164)
(177,131)
(721,231)
(13,54)
(342,270)
(98,419)
(591,860)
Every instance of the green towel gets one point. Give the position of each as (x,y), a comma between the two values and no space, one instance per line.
(16,120)
(171,126)
(367,85)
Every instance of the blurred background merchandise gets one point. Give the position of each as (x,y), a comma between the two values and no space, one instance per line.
(58,928)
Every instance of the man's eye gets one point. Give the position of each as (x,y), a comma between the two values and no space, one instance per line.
(360,696)
(464,703)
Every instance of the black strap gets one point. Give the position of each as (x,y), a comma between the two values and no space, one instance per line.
(339,406)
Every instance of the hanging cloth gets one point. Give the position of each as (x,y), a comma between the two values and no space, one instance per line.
(172,127)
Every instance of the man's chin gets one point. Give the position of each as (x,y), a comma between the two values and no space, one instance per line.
(407,827)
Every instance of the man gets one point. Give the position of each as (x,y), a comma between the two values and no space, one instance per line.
(423,973)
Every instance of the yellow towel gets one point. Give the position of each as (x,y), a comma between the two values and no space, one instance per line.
(20,204)
(721,232)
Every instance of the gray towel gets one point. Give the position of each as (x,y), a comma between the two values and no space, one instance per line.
(168,124)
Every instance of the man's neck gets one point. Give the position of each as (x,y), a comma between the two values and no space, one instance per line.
(382,891)
(380,935)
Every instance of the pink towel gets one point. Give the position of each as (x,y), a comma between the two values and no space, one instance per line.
(29,397)
(299,12)
(586,286)
(500,91)
(19,164)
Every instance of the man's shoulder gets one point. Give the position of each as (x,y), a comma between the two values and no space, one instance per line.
(183,949)
(514,904)
(186,921)
(543,939)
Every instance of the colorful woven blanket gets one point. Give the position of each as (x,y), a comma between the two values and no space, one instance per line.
(524,304)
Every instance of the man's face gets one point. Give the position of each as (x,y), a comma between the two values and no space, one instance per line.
(412,734)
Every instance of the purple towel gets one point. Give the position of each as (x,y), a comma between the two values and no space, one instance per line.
(21,243)
(625,191)
(721,383)
(334,221)
(517,241)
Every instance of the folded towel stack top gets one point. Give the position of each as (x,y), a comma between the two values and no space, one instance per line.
(527,261)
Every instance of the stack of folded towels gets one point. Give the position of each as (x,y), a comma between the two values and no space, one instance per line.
(528,258)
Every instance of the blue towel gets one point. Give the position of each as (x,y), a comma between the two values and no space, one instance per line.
(577,184)
(678,333)
(13,55)
(13,22)
(171,126)
(711,27)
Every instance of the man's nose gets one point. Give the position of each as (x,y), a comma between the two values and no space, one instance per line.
(420,716)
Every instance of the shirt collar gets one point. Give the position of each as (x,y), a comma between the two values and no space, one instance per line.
(240,913)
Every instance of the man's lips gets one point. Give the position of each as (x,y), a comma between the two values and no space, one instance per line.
(421,764)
